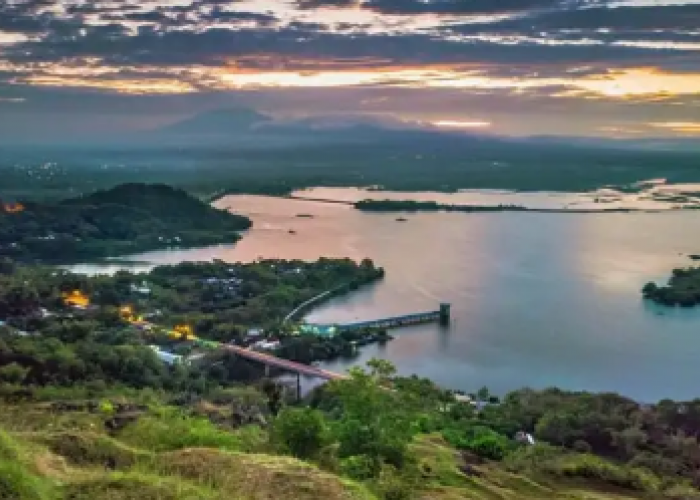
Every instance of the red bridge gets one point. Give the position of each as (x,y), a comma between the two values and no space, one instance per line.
(284,364)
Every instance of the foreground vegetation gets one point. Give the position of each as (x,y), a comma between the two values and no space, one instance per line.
(129,218)
(90,412)
(682,289)
(353,440)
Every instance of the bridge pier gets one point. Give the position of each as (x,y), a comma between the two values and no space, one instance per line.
(444,314)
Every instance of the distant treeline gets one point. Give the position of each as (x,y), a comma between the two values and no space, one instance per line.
(416,206)
(432,206)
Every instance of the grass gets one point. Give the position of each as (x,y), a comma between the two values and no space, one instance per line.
(255,476)
(170,429)
(89,448)
(17,479)
(166,455)
(136,486)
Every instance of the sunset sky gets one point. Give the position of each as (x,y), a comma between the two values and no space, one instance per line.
(625,68)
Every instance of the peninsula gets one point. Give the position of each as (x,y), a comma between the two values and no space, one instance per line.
(126,219)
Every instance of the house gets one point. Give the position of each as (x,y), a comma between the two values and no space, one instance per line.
(255,333)
(525,438)
(142,289)
(166,357)
(265,345)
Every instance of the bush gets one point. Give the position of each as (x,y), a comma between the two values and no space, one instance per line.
(391,485)
(359,467)
(301,432)
(581,446)
(479,440)
(492,446)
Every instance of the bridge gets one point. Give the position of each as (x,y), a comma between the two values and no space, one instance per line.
(283,364)
(442,315)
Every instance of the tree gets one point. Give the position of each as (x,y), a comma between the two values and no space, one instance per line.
(13,373)
(650,290)
(483,395)
(373,421)
(273,391)
(301,431)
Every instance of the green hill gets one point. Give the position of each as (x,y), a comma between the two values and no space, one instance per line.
(126,219)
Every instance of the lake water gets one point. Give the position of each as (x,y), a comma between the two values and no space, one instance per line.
(538,299)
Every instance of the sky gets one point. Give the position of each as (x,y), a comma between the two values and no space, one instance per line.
(609,68)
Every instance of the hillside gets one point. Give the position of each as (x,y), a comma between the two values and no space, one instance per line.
(126,219)
(76,457)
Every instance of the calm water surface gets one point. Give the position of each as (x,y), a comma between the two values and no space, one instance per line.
(538,299)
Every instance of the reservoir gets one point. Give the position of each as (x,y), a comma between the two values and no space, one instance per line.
(538,299)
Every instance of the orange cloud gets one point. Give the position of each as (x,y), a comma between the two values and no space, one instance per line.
(691,128)
(461,124)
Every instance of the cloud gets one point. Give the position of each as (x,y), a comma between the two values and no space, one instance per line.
(460,6)
(692,128)
(553,52)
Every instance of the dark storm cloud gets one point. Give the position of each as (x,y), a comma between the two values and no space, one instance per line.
(671,17)
(314,4)
(25,18)
(465,6)
(176,47)
(220,15)
(545,32)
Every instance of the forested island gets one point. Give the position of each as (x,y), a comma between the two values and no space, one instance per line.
(93,411)
(432,206)
(682,289)
(429,206)
(126,219)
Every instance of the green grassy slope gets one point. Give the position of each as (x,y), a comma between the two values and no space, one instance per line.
(48,456)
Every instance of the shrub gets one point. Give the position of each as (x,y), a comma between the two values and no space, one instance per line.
(300,431)
(391,485)
(359,467)
(581,446)
(479,440)
(492,446)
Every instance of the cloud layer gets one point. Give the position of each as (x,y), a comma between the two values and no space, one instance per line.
(640,56)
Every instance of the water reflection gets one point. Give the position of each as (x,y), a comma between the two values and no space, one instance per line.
(538,299)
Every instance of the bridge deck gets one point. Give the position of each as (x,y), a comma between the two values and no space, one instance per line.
(385,322)
(284,364)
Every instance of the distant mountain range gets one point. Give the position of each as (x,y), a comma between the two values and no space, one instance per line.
(241,125)
(218,122)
